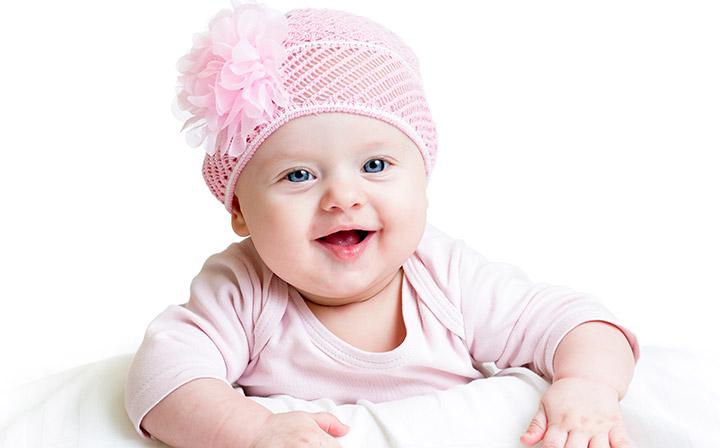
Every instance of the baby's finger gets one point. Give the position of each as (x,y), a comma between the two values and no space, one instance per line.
(330,424)
(536,430)
(600,441)
(555,437)
(577,439)
(619,437)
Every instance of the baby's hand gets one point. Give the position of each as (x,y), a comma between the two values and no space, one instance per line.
(578,413)
(300,429)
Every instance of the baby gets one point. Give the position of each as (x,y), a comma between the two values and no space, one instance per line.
(319,142)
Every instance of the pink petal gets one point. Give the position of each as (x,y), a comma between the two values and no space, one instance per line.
(251,108)
(247,22)
(244,51)
(234,111)
(222,50)
(212,123)
(234,125)
(199,101)
(237,147)
(242,68)
(201,40)
(224,99)
(264,98)
(239,142)
(247,125)
(186,64)
(230,80)
(189,122)
(211,143)
(195,136)
(212,68)
(223,31)
(223,14)
(182,103)
(270,49)
(277,28)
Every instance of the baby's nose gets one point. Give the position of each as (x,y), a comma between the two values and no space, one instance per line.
(343,194)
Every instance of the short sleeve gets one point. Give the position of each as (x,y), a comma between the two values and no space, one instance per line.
(513,321)
(208,337)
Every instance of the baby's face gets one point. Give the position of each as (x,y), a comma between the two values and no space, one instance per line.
(319,172)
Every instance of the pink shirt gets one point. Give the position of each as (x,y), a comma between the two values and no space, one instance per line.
(246,326)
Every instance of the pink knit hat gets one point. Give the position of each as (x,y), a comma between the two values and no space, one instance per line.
(255,69)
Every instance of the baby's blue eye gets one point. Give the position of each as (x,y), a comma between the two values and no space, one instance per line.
(292,177)
(371,166)
(376,165)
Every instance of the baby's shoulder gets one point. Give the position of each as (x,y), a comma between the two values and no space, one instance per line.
(453,262)
(436,259)
(238,263)
(439,250)
(449,263)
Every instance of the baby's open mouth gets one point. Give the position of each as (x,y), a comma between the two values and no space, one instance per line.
(346,237)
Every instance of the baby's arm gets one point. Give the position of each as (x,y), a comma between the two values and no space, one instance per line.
(513,321)
(179,385)
(180,380)
(596,351)
(593,366)
(206,412)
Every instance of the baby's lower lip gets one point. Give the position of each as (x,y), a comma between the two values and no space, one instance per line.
(347,253)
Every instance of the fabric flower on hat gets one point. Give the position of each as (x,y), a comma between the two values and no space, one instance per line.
(230,81)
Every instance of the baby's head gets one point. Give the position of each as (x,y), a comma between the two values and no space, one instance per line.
(313,122)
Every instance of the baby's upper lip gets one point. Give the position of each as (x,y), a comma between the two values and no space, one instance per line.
(346,227)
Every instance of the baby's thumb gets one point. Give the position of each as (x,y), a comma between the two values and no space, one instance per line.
(537,428)
(330,424)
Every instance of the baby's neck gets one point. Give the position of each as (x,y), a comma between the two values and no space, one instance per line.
(374,325)
(387,291)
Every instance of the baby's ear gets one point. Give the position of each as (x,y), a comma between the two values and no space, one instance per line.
(237,220)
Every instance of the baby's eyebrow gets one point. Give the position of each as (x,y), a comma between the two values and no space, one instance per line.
(284,155)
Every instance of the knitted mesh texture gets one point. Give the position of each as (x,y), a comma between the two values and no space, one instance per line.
(338,62)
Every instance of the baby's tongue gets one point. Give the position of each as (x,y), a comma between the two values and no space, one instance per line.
(343,238)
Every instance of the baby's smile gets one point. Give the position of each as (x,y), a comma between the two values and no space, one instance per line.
(346,245)
(345,237)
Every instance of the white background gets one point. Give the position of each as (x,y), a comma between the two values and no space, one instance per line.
(578,141)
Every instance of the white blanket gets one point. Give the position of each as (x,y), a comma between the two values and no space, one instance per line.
(672,403)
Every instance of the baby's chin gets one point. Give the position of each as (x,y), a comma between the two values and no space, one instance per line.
(334,295)
(334,298)
(330,302)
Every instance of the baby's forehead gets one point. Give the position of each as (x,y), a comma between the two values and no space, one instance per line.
(352,132)
(327,123)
